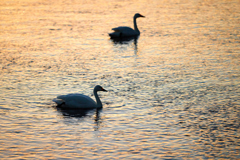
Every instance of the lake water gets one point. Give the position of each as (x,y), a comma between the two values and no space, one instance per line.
(173,94)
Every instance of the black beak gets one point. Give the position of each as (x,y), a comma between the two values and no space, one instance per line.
(104,90)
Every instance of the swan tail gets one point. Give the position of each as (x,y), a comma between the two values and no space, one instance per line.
(58,101)
(115,34)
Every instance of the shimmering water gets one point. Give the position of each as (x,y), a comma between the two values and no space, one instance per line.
(173,94)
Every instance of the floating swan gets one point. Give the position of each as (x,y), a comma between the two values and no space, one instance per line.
(80,101)
(126,31)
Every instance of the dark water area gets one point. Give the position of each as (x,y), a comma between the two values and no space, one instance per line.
(173,93)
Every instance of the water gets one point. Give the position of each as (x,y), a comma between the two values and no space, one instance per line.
(173,93)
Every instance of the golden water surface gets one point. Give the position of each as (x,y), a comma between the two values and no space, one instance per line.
(173,94)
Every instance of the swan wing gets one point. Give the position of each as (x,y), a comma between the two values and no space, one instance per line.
(123,31)
(76,101)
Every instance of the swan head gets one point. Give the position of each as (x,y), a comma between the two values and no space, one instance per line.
(99,88)
(137,15)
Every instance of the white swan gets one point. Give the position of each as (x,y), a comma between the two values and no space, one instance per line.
(126,31)
(79,100)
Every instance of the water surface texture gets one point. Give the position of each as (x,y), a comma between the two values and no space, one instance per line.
(173,94)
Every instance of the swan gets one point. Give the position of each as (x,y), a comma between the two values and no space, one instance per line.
(80,101)
(123,31)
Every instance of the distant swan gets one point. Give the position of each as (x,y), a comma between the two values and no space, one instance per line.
(79,100)
(126,31)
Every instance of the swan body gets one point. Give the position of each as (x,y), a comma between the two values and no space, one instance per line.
(80,101)
(123,31)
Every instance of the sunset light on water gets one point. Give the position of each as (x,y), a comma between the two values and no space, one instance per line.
(173,93)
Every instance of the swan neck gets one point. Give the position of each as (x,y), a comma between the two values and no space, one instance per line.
(99,103)
(135,24)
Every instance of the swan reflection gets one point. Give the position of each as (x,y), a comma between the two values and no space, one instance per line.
(127,41)
(82,113)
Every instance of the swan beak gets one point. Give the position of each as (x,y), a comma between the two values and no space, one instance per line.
(104,90)
(142,16)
